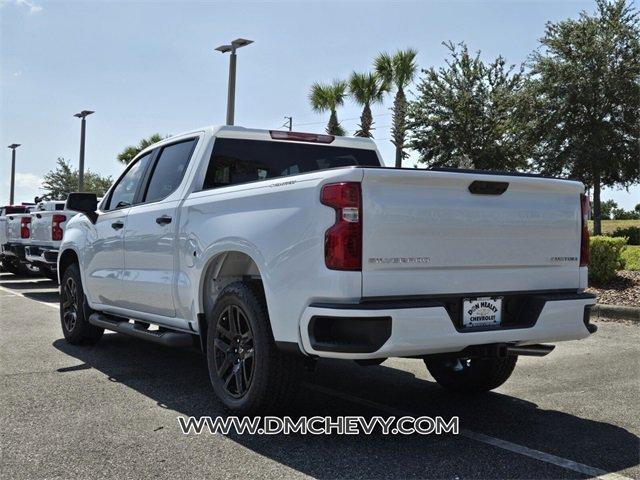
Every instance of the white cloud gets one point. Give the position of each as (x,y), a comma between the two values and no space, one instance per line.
(33,7)
(28,185)
(18,73)
(28,180)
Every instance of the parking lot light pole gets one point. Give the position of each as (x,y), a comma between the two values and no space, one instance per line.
(13,147)
(231,92)
(82,115)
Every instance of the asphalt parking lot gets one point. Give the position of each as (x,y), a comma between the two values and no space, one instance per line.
(111,411)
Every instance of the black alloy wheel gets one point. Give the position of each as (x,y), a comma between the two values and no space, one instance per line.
(234,351)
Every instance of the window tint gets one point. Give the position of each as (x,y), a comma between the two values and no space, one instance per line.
(124,192)
(238,161)
(169,170)
(59,206)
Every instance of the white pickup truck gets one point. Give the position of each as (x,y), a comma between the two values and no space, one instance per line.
(15,231)
(48,222)
(276,248)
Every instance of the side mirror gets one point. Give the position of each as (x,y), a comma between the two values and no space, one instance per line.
(86,203)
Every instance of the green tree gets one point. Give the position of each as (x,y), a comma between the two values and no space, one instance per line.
(62,180)
(607,208)
(366,89)
(465,114)
(622,214)
(585,99)
(327,98)
(398,70)
(131,151)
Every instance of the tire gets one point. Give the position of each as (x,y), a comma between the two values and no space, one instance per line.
(471,375)
(249,374)
(11,267)
(50,273)
(75,311)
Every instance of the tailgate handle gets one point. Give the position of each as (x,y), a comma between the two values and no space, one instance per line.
(483,187)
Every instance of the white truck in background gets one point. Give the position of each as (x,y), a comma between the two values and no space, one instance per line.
(272,249)
(15,230)
(48,222)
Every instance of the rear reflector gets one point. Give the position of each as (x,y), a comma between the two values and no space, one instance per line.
(584,241)
(343,241)
(301,137)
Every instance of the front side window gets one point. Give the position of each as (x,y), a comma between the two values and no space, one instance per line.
(236,161)
(124,192)
(169,170)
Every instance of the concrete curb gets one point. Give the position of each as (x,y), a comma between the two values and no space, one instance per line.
(616,311)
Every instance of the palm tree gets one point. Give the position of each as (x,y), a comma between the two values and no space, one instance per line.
(366,88)
(131,151)
(398,70)
(324,98)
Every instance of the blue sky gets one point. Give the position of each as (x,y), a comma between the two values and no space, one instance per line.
(148,67)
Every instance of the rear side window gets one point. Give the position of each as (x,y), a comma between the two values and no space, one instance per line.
(169,169)
(236,161)
(59,206)
(124,192)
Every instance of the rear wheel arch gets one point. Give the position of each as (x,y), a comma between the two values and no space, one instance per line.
(221,270)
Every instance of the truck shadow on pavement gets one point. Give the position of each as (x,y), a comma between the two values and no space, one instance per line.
(178,380)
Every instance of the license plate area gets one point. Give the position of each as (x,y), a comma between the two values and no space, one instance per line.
(481,312)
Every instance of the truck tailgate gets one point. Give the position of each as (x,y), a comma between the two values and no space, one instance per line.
(425,233)
(13,227)
(3,230)
(41,228)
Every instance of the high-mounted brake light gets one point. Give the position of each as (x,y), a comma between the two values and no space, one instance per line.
(56,229)
(584,241)
(25,223)
(343,241)
(301,137)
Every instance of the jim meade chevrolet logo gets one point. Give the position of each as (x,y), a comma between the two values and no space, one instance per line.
(386,260)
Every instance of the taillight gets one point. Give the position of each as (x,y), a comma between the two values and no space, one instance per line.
(56,229)
(25,222)
(343,241)
(584,242)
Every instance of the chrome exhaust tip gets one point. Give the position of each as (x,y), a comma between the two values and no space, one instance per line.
(530,350)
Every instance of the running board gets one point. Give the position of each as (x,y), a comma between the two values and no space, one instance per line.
(168,338)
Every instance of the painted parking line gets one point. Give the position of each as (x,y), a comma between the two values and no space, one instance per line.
(480,437)
(18,294)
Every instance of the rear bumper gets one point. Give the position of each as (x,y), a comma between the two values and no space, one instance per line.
(416,328)
(41,255)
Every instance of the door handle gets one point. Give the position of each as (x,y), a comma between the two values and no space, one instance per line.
(163,220)
(117,225)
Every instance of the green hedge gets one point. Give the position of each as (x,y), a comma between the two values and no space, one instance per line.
(605,257)
(632,233)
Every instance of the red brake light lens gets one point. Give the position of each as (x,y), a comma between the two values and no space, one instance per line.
(343,241)
(56,229)
(584,241)
(25,223)
(301,137)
